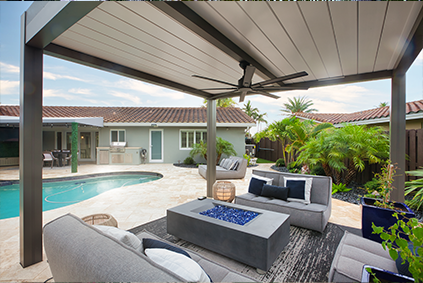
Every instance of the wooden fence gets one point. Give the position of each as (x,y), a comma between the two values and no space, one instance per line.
(270,150)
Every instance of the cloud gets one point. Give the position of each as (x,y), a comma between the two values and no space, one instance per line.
(330,99)
(81,91)
(7,68)
(52,93)
(9,87)
(148,89)
(127,96)
(51,76)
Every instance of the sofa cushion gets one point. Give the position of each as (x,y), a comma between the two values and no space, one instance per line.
(234,165)
(123,236)
(179,264)
(216,271)
(275,192)
(256,184)
(299,189)
(156,244)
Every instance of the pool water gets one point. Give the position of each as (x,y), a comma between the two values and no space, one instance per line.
(62,193)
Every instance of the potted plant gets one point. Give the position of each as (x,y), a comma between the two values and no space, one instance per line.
(380,211)
(404,240)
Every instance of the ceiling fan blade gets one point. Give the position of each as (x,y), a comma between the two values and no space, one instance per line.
(266,94)
(277,88)
(242,96)
(248,75)
(225,94)
(280,79)
(214,80)
(220,88)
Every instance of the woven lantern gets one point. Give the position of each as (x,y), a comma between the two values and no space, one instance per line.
(224,191)
(100,219)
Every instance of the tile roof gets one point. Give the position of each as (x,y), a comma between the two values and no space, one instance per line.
(139,114)
(376,113)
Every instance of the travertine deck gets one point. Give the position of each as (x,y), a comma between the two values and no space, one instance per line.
(131,206)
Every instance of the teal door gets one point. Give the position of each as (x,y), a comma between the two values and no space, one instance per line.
(156,145)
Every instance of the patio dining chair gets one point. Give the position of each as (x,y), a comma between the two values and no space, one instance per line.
(49,157)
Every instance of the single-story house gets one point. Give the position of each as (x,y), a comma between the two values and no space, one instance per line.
(375,117)
(118,135)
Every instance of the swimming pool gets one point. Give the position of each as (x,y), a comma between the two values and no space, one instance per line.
(66,191)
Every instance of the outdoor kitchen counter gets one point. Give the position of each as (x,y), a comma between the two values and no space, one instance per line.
(119,155)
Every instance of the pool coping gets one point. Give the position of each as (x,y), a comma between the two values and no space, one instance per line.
(79,177)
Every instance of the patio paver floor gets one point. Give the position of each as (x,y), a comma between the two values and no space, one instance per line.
(131,206)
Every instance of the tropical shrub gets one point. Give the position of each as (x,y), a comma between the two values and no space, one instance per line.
(318,170)
(383,192)
(280,162)
(294,167)
(360,144)
(339,188)
(248,157)
(417,187)
(222,147)
(189,161)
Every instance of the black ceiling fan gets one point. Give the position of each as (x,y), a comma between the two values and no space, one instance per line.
(245,86)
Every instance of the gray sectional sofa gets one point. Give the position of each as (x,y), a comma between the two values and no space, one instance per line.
(78,252)
(225,173)
(313,216)
(353,253)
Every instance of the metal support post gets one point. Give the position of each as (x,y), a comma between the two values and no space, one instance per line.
(397,134)
(30,152)
(211,146)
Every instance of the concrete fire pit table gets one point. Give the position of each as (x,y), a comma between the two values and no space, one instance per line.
(257,243)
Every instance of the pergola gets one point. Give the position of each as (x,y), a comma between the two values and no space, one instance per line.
(165,43)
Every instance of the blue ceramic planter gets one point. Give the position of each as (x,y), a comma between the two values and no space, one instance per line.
(383,275)
(381,217)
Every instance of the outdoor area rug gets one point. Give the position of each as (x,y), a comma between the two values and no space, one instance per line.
(307,257)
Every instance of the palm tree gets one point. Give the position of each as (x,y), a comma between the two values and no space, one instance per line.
(224,102)
(383,104)
(360,144)
(278,131)
(298,105)
(222,147)
(254,113)
(319,151)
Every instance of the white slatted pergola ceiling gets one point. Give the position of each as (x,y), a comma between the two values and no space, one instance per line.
(173,41)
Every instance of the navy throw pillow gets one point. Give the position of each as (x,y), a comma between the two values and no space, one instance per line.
(296,188)
(155,244)
(256,186)
(275,192)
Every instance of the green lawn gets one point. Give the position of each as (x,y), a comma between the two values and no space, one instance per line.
(260,160)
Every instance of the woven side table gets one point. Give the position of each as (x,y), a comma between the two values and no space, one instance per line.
(224,191)
(100,219)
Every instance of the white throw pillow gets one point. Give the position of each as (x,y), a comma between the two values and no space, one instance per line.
(307,188)
(227,163)
(269,181)
(179,264)
(222,162)
(123,236)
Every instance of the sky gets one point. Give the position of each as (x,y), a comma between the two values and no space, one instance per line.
(71,84)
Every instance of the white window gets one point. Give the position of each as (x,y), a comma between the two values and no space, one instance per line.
(191,137)
(117,136)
